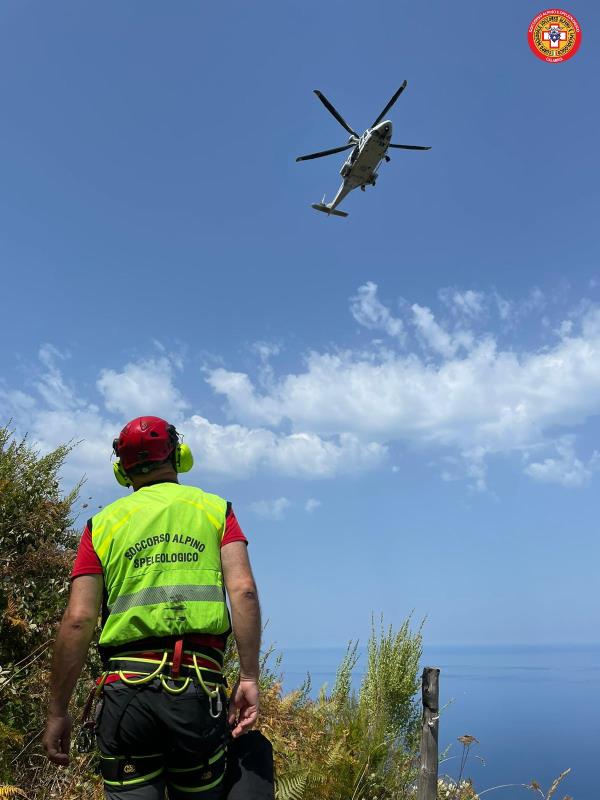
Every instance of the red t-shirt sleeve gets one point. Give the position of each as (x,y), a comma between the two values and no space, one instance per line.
(233,532)
(86,560)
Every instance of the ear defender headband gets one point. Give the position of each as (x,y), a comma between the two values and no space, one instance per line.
(182,459)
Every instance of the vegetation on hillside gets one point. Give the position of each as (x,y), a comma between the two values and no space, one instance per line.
(341,746)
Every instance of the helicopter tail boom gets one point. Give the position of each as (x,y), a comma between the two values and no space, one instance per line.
(328,210)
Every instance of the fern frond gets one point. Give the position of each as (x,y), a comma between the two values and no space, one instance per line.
(289,701)
(11,791)
(12,616)
(337,754)
(291,787)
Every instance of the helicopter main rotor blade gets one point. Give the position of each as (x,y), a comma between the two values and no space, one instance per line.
(409,146)
(390,104)
(325,153)
(335,113)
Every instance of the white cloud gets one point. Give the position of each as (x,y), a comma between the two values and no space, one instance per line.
(142,388)
(511,312)
(312,504)
(435,337)
(476,306)
(565,328)
(467,465)
(56,415)
(265,350)
(468,304)
(240,451)
(368,311)
(49,426)
(50,384)
(489,400)
(505,307)
(565,469)
(462,400)
(271,509)
(239,390)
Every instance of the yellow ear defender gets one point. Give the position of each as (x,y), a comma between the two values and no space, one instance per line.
(184,460)
(120,474)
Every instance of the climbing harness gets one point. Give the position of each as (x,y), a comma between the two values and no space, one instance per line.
(139,671)
(169,673)
(154,674)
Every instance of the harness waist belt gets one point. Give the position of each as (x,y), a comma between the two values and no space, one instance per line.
(134,666)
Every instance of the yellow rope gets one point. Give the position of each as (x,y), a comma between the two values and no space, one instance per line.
(165,685)
(146,678)
(215,691)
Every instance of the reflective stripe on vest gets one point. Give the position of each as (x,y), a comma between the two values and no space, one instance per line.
(160,550)
(166,594)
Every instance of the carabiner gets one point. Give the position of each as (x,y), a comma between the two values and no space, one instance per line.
(212,693)
(211,697)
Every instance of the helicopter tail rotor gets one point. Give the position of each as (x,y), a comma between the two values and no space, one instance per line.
(326,208)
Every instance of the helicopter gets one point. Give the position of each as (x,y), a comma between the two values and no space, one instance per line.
(368,151)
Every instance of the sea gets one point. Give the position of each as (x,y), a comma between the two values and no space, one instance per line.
(535,711)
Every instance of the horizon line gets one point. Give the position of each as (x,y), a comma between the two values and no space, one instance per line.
(343,646)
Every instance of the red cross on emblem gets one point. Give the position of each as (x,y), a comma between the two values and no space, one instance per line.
(555,35)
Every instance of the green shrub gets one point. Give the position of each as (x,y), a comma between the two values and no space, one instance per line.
(36,554)
(348,745)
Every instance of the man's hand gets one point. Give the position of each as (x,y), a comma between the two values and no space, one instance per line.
(57,739)
(243,706)
(70,649)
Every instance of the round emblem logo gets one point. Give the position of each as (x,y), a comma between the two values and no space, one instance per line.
(554,35)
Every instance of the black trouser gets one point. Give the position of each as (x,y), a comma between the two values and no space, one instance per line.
(151,740)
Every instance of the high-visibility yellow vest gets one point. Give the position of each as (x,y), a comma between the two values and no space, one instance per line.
(160,549)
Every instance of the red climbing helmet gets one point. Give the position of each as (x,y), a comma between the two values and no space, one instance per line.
(145,439)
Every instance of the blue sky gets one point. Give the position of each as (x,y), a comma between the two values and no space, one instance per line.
(403,405)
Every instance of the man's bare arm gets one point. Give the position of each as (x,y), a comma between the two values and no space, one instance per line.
(245,620)
(245,609)
(70,651)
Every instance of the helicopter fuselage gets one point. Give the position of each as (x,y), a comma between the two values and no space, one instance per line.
(361,165)
(360,168)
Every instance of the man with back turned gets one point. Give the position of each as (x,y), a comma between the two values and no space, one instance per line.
(157,563)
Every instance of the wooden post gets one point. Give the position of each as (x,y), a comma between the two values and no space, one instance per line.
(428,773)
